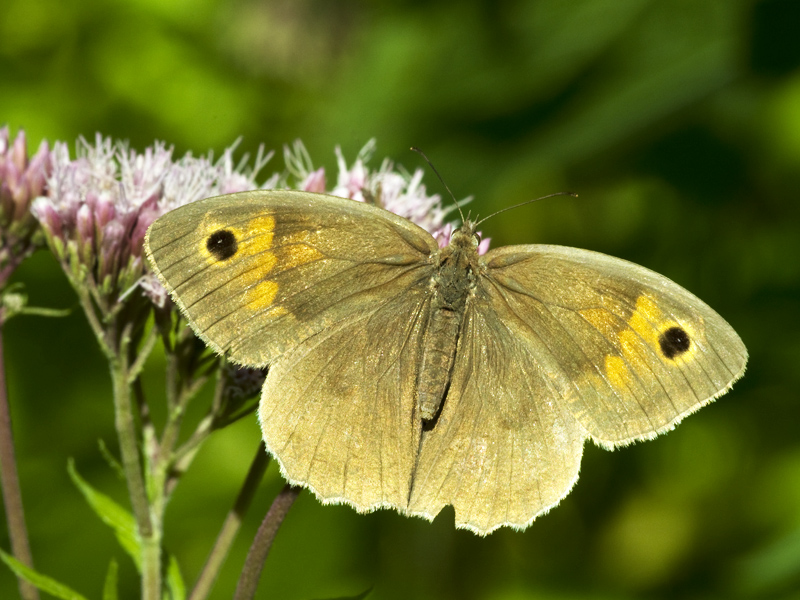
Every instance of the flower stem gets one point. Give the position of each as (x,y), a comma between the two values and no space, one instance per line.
(126,430)
(12,494)
(144,351)
(231,525)
(254,564)
(131,464)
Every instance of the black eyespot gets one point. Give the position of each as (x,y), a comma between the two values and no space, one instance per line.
(674,342)
(222,244)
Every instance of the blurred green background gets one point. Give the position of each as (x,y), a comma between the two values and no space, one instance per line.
(677,122)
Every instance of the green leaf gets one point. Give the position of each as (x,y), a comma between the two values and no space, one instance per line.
(43,582)
(110,585)
(112,514)
(176,588)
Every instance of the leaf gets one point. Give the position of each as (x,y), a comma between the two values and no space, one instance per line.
(112,514)
(43,582)
(110,585)
(176,588)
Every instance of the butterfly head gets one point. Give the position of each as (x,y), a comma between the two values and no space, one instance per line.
(466,237)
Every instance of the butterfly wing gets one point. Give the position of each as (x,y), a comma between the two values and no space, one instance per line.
(338,410)
(504,448)
(635,351)
(255,273)
(333,295)
(560,344)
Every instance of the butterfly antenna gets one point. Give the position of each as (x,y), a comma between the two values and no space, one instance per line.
(502,210)
(430,164)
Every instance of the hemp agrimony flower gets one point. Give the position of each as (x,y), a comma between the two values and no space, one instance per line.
(394,190)
(21,180)
(102,202)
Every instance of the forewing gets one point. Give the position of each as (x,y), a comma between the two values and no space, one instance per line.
(337,411)
(255,273)
(629,351)
(504,448)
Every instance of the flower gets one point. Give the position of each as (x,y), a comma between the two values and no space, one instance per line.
(21,180)
(315,182)
(394,190)
(101,203)
(97,210)
(353,180)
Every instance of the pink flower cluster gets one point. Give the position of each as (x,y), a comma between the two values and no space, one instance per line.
(396,191)
(21,180)
(101,203)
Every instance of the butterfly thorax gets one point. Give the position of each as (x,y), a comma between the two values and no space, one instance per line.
(453,284)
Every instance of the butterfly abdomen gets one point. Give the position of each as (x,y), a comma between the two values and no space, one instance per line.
(453,283)
(438,353)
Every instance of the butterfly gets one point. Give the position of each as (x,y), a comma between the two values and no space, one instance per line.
(410,376)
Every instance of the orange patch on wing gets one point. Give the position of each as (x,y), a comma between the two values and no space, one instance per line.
(257,258)
(635,342)
(257,236)
(634,350)
(618,373)
(649,323)
(261,295)
(645,319)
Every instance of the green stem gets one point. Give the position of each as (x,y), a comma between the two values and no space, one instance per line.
(148,508)
(12,494)
(184,454)
(172,429)
(144,351)
(116,346)
(129,449)
(173,463)
(94,322)
(126,431)
(231,526)
(192,445)
(254,564)
(151,567)
(149,437)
